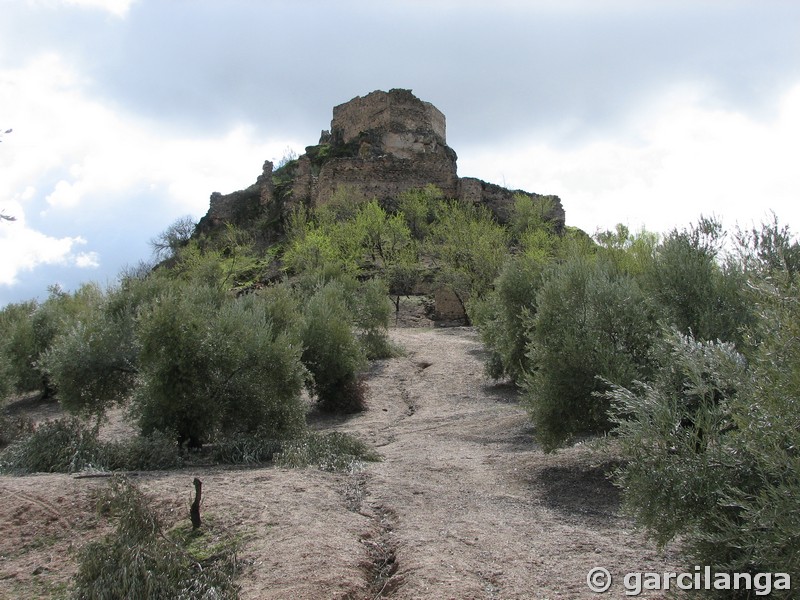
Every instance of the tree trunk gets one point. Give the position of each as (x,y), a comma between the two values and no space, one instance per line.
(194,512)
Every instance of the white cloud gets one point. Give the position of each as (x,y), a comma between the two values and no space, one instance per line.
(86,260)
(90,153)
(118,8)
(684,159)
(23,249)
(98,150)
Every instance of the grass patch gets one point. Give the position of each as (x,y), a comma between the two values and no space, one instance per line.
(333,452)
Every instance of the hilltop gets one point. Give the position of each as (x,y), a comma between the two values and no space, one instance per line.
(378,146)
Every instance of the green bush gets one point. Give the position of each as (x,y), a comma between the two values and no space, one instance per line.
(30,328)
(60,446)
(468,248)
(372,312)
(711,447)
(504,315)
(418,208)
(6,371)
(695,293)
(246,449)
(331,351)
(157,451)
(139,561)
(12,429)
(93,365)
(19,347)
(212,365)
(590,323)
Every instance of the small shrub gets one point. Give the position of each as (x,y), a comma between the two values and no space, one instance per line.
(591,323)
(92,365)
(373,309)
(211,365)
(139,561)
(19,346)
(13,428)
(711,445)
(693,291)
(242,449)
(502,317)
(331,353)
(156,451)
(335,451)
(60,446)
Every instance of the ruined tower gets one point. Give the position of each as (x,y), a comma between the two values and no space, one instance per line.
(379,146)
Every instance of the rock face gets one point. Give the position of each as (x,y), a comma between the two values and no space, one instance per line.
(378,146)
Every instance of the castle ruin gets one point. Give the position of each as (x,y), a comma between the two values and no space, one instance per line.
(378,146)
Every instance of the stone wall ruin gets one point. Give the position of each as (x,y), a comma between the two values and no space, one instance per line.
(379,146)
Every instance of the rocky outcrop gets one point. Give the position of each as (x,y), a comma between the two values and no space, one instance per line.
(378,146)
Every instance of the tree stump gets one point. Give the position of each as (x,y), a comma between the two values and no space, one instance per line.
(194,512)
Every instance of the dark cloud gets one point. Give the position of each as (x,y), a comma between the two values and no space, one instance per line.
(493,72)
(496,72)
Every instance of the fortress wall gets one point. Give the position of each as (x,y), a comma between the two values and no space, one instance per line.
(393,111)
(387,177)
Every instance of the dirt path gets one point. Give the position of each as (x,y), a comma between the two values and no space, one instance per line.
(470,507)
(463,505)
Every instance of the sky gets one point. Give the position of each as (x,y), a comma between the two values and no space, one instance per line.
(127,114)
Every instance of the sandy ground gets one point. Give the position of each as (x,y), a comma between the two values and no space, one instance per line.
(463,505)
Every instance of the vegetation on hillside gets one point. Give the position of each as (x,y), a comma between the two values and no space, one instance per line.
(682,348)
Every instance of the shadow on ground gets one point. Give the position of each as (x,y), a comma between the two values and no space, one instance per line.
(580,492)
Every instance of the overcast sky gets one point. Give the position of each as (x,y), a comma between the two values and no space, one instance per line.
(127,114)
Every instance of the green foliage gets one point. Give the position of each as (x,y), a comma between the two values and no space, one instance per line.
(630,253)
(6,370)
(61,446)
(167,244)
(530,214)
(12,429)
(138,561)
(468,247)
(337,452)
(710,447)
(372,310)
(418,207)
(246,449)
(384,236)
(503,317)
(210,364)
(93,364)
(673,432)
(317,252)
(343,205)
(157,451)
(590,322)
(332,353)
(70,445)
(20,347)
(30,328)
(696,294)
(769,251)
(225,261)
